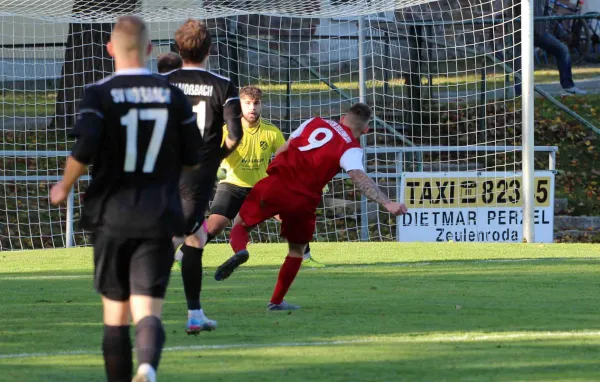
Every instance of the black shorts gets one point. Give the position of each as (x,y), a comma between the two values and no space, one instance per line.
(196,189)
(228,200)
(126,266)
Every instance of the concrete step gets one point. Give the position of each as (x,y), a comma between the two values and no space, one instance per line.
(564,223)
(575,235)
(560,205)
(581,229)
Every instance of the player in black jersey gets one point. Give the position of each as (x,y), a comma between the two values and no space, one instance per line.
(138,131)
(215,101)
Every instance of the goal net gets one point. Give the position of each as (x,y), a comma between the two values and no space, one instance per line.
(436,73)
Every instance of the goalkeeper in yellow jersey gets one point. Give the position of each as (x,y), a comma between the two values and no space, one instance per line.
(241,170)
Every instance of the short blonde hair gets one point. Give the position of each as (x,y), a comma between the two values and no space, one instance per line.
(252,92)
(130,34)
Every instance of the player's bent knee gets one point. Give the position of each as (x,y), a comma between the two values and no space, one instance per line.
(143,306)
(217,224)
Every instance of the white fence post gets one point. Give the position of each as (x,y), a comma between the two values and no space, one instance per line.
(362,89)
(528,120)
(70,207)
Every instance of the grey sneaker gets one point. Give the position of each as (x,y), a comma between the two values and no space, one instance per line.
(197,324)
(575,91)
(226,269)
(283,306)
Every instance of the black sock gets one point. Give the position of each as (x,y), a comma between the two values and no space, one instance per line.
(191,273)
(307,248)
(149,340)
(116,348)
(209,238)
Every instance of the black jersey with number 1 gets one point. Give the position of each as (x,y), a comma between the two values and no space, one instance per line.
(138,131)
(215,101)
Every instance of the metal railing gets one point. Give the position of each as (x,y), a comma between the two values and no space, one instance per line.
(45,178)
(397,175)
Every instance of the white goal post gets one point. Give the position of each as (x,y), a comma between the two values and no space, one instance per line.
(436,73)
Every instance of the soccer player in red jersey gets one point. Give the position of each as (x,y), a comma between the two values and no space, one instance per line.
(302,167)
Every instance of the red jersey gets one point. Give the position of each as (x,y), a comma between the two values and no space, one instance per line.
(316,152)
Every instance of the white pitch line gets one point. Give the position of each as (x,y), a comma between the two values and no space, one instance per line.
(332,267)
(48,277)
(383,340)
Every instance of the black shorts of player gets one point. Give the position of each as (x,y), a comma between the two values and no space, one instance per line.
(228,200)
(196,189)
(126,266)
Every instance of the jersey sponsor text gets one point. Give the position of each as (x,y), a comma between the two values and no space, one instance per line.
(340,130)
(141,94)
(196,89)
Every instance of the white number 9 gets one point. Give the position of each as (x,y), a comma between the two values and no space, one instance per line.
(314,143)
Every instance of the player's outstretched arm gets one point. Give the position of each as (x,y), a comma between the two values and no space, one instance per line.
(368,188)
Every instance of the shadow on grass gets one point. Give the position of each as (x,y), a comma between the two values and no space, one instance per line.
(468,361)
(445,297)
(253,268)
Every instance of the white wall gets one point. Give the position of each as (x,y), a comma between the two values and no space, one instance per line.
(591,6)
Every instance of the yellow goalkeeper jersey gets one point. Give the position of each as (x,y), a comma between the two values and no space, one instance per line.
(248,163)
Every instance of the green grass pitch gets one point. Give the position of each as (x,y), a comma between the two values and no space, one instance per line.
(378,312)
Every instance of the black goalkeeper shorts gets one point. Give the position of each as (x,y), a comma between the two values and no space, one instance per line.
(228,200)
(126,266)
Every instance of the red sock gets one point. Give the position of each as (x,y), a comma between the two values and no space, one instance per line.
(287,274)
(239,238)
